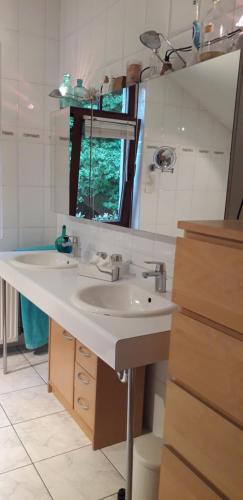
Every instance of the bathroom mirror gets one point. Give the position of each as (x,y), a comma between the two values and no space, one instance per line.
(170,164)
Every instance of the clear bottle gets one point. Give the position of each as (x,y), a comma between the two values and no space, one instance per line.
(79,90)
(214,40)
(66,90)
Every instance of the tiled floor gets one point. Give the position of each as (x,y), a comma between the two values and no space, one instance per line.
(43,452)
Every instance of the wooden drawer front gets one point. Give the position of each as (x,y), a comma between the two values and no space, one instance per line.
(62,354)
(206,440)
(86,358)
(84,395)
(208,362)
(177,481)
(208,279)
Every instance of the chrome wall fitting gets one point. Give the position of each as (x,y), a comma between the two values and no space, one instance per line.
(164,159)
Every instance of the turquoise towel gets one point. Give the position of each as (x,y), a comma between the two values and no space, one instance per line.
(35,321)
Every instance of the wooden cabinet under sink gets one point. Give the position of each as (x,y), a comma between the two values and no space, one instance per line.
(90,390)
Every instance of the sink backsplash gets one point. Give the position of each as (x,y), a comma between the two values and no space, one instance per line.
(133,245)
(137,247)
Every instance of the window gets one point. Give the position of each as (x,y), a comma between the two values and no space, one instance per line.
(102,168)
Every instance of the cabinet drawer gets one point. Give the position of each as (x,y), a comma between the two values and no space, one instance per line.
(86,358)
(84,395)
(177,481)
(208,362)
(61,361)
(206,440)
(208,279)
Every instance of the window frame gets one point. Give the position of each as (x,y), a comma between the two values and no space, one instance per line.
(76,139)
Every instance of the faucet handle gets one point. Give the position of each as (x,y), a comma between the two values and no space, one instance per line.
(103,255)
(159,265)
(116,258)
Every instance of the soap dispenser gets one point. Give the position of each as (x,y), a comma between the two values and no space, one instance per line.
(63,243)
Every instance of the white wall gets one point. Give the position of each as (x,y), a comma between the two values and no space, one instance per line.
(202,147)
(99,37)
(29,38)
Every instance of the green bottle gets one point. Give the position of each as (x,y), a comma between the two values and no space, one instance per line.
(63,243)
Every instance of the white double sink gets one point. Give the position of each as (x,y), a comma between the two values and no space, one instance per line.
(120,299)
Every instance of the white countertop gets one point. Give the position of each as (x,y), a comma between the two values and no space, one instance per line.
(51,290)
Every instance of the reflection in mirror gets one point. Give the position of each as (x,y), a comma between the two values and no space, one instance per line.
(148,156)
(102,149)
(192,111)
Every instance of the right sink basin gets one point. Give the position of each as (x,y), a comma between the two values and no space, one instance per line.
(122,300)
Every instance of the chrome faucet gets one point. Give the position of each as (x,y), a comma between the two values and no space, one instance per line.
(159,274)
(113,273)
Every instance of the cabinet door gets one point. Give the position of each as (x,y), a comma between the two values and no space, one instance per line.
(62,353)
(84,395)
(208,279)
(210,443)
(86,358)
(177,481)
(209,363)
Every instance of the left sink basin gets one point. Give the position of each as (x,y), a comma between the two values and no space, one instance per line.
(44,260)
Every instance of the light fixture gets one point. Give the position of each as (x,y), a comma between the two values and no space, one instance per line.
(151,40)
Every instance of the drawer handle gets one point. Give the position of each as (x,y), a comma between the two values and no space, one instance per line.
(84,353)
(66,335)
(82,405)
(83,379)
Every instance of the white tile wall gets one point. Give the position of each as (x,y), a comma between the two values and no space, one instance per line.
(99,37)
(29,39)
(202,149)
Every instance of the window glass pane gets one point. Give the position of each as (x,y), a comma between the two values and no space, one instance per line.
(101,182)
(88,105)
(114,102)
(71,125)
(100,190)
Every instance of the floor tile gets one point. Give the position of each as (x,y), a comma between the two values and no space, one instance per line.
(19,379)
(42,370)
(15,360)
(3,419)
(48,436)
(29,403)
(80,475)
(116,455)
(35,359)
(12,453)
(22,484)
